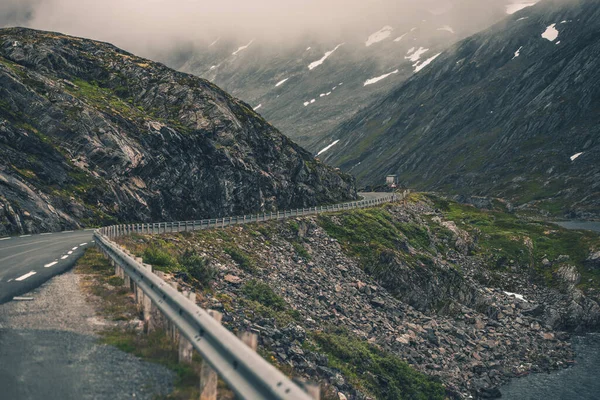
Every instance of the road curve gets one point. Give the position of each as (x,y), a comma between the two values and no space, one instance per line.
(27,261)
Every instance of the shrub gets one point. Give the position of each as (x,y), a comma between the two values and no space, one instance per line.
(158,257)
(242,259)
(382,374)
(263,294)
(197,267)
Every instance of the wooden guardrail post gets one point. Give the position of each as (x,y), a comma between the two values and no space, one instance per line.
(208,376)
(250,339)
(186,350)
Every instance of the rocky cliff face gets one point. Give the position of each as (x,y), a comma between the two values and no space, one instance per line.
(510,112)
(90,133)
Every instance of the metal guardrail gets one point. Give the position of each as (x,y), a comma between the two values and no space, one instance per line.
(185,226)
(247,373)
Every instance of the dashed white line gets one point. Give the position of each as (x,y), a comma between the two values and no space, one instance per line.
(64,257)
(74,248)
(67,232)
(50,264)
(83,244)
(27,275)
(70,252)
(6,238)
(25,236)
(44,234)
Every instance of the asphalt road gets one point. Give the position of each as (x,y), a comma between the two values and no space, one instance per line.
(28,261)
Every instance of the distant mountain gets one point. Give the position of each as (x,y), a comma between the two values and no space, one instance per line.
(307,88)
(91,134)
(510,112)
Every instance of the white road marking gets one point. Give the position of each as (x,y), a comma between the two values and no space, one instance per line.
(74,248)
(44,234)
(27,275)
(19,298)
(64,257)
(70,252)
(25,236)
(83,244)
(91,229)
(67,232)
(6,238)
(10,280)
(51,264)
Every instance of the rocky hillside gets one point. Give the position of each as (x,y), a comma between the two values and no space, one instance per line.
(512,112)
(391,301)
(90,134)
(307,86)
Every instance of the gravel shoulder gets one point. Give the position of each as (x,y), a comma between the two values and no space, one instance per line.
(49,349)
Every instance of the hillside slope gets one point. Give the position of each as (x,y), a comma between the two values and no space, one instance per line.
(510,112)
(308,86)
(90,133)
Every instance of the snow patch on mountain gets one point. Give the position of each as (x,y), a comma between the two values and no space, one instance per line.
(575,156)
(414,55)
(518,52)
(446,28)
(425,63)
(399,38)
(513,8)
(315,64)
(328,147)
(551,33)
(242,48)
(380,35)
(377,79)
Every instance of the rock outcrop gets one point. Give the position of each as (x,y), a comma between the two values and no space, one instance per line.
(90,134)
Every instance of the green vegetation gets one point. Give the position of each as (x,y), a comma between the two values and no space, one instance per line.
(159,258)
(197,267)
(262,293)
(241,258)
(117,304)
(301,250)
(370,233)
(508,240)
(261,300)
(375,371)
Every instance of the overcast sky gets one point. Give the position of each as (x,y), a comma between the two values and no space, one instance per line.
(139,25)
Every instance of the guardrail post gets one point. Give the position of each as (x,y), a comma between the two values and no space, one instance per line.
(250,339)
(186,350)
(208,376)
(172,330)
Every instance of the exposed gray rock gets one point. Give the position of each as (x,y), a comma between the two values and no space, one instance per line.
(90,134)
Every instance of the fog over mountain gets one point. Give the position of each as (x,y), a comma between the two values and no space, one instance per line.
(150,27)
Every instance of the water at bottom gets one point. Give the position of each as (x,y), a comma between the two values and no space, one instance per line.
(580,382)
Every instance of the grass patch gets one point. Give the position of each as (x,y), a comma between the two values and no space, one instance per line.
(372,233)
(241,258)
(262,293)
(263,301)
(301,251)
(505,239)
(117,304)
(375,371)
